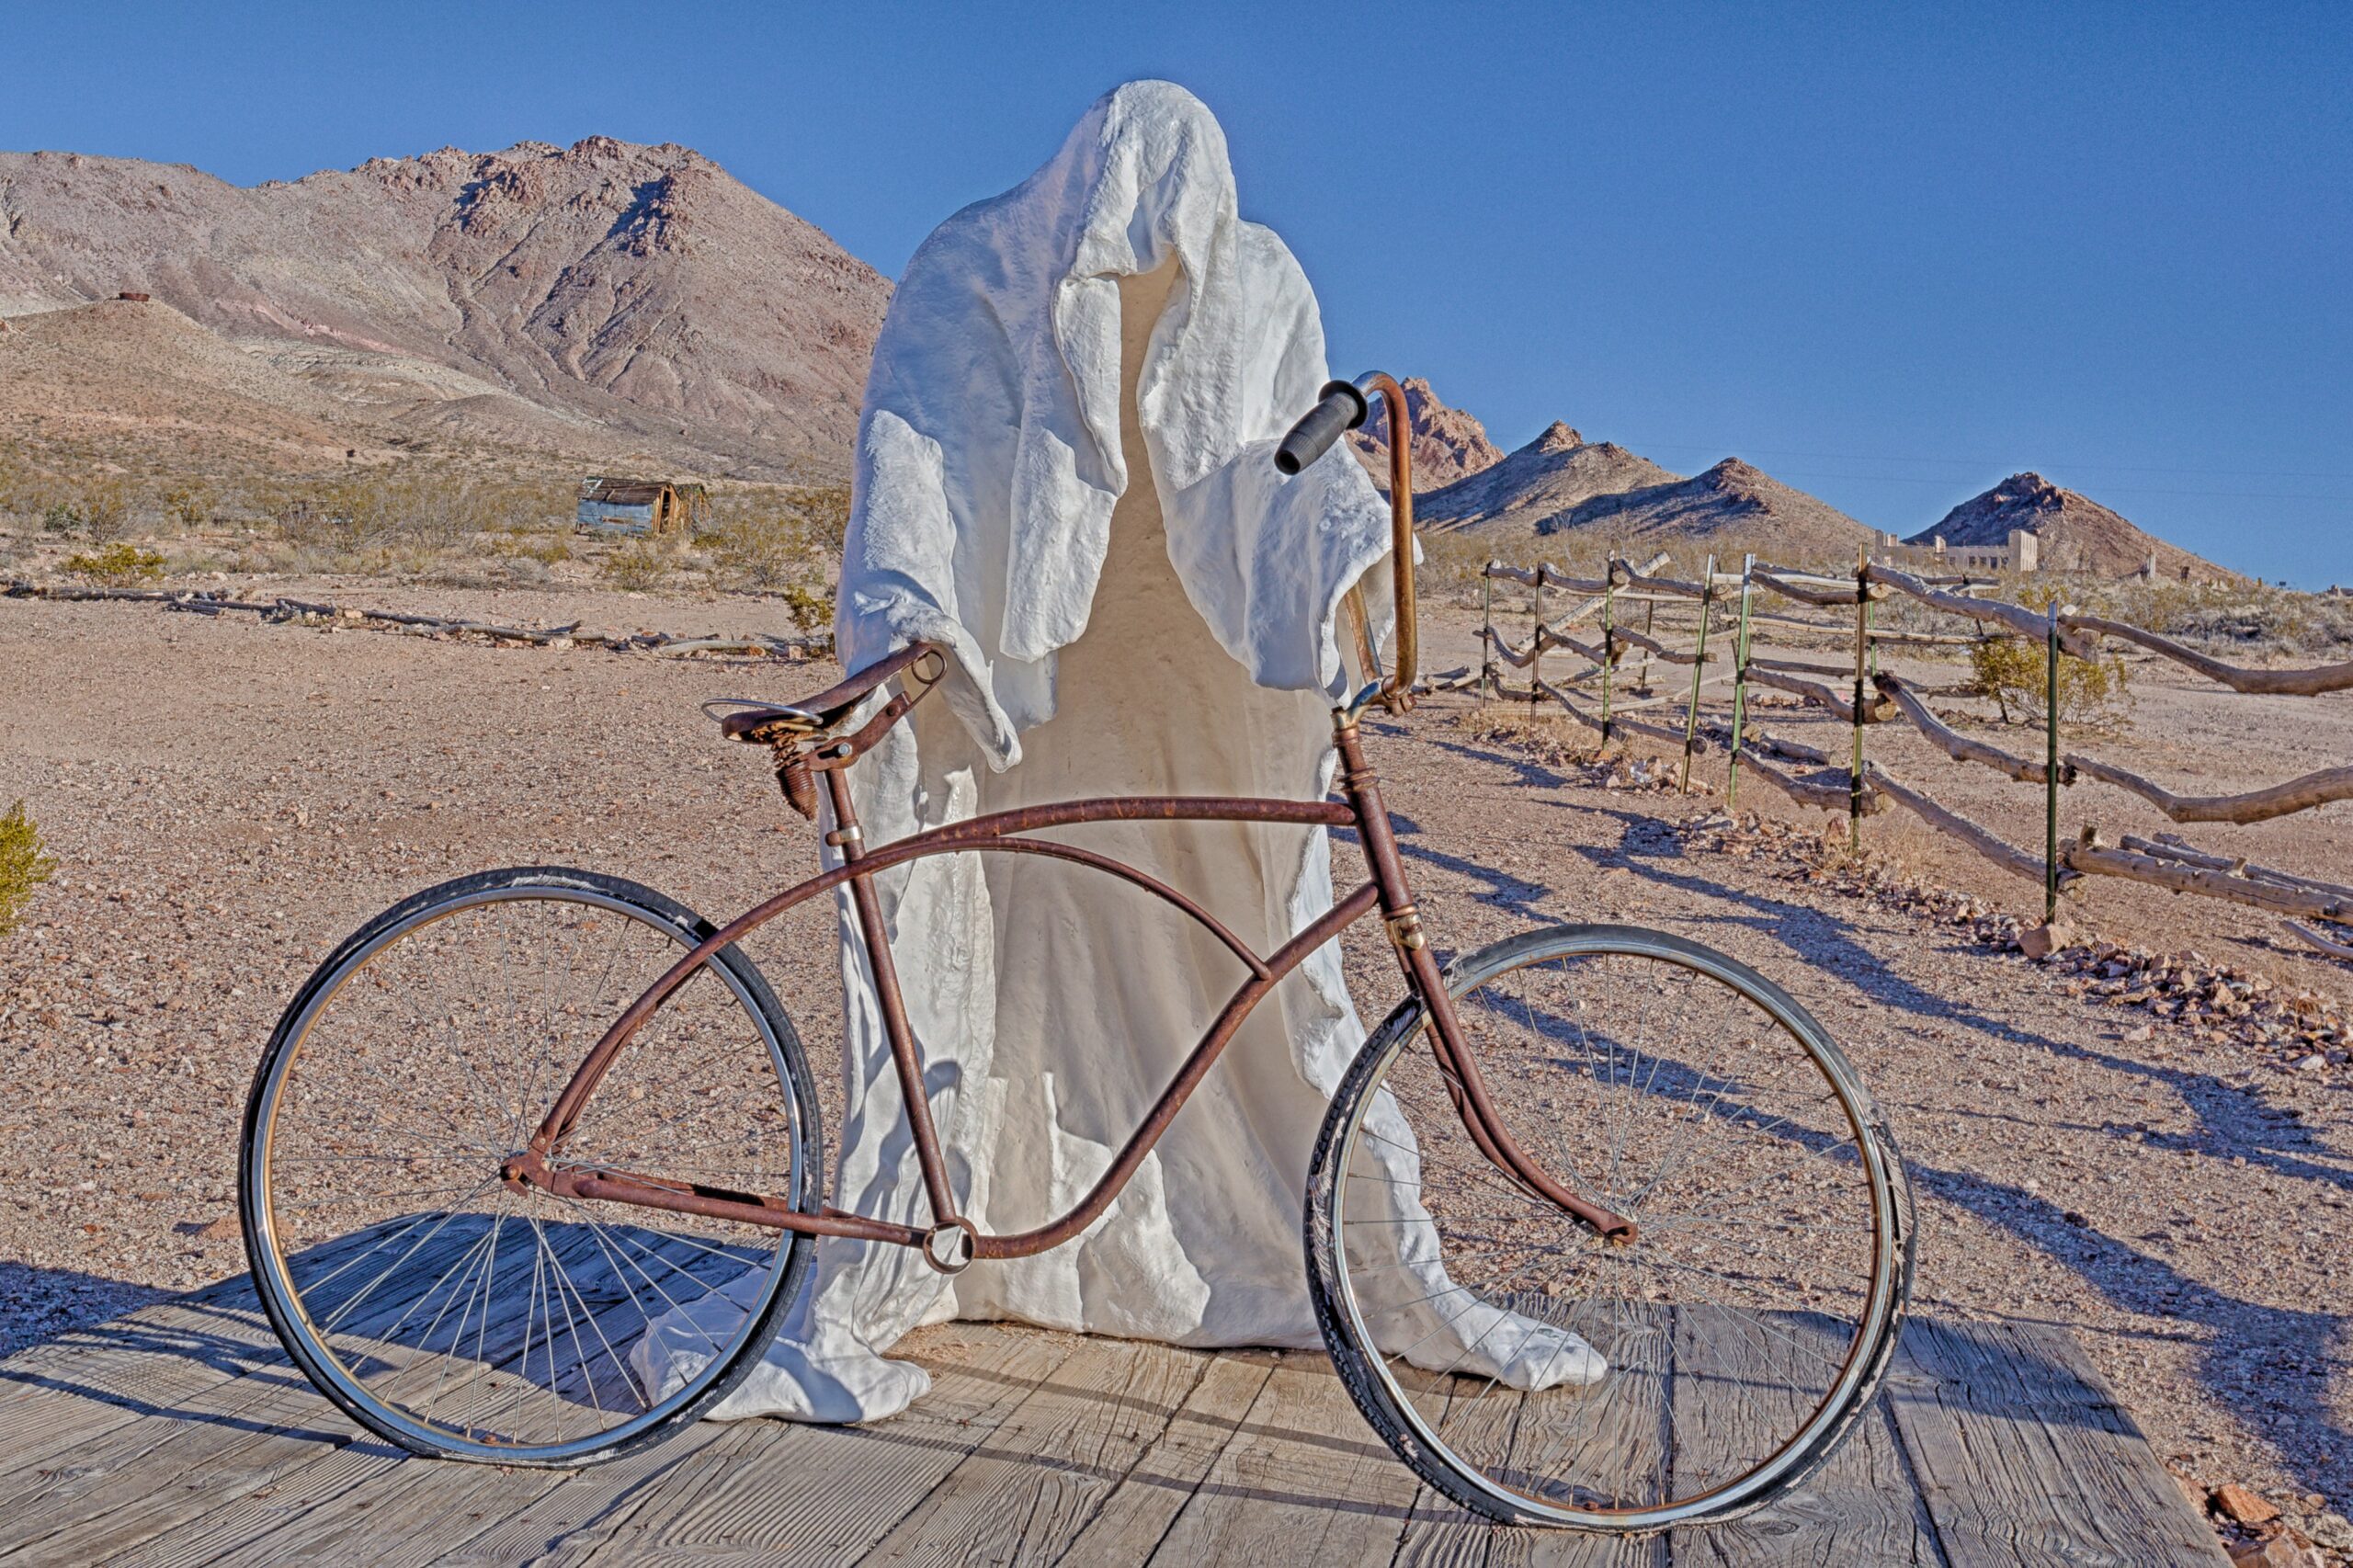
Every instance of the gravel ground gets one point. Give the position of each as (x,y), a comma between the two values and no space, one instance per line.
(228,800)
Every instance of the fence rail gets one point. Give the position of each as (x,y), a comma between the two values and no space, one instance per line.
(1862,696)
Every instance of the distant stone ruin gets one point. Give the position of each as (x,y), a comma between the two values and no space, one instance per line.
(2021,551)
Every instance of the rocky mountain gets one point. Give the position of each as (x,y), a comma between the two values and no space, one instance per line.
(1554,474)
(2074,532)
(1446,442)
(1732,503)
(639,290)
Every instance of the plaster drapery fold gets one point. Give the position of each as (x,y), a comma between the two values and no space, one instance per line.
(1064,475)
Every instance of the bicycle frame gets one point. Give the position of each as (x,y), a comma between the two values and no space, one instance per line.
(1006,832)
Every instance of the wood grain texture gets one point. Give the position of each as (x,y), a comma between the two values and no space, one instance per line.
(2024,1456)
(1994,1444)
(1303,1479)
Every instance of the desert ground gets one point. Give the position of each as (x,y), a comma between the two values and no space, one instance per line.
(226,800)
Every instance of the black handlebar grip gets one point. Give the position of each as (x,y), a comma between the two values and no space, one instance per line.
(1339,408)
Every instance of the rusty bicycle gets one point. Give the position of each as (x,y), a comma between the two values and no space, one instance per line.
(1600,1227)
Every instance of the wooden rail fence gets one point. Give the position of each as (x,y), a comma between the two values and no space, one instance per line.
(1857,693)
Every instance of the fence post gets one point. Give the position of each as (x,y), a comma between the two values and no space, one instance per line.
(1862,657)
(1609,641)
(1650,628)
(1739,682)
(1536,646)
(1698,669)
(2051,767)
(1487,632)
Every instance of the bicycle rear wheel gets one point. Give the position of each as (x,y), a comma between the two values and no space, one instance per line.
(459,1316)
(1532,1372)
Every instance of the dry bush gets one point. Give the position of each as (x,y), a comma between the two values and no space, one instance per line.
(781,542)
(2230,617)
(190,506)
(119,565)
(636,567)
(22,866)
(2015,672)
(403,516)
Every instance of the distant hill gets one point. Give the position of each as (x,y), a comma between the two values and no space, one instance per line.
(124,372)
(1554,474)
(638,290)
(2074,532)
(1732,503)
(1448,443)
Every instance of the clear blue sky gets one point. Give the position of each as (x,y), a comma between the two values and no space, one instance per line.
(1888,253)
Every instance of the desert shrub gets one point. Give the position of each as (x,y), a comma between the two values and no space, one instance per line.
(2015,674)
(106,509)
(511,543)
(119,565)
(811,607)
(824,513)
(761,551)
(22,866)
(59,518)
(2232,617)
(638,566)
(399,512)
(189,506)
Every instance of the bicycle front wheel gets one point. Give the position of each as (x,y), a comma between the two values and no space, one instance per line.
(1531,1370)
(458,1315)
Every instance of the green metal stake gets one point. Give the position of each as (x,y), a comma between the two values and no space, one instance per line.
(2051,769)
(1863,660)
(1536,645)
(1487,632)
(1739,682)
(1609,641)
(1698,669)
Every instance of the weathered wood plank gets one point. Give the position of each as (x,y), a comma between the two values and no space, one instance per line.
(574,1521)
(68,1390)
(825,1494)
(310,1511)
(1025,1494)
(1739,1391)
(1301,1481)
(1130,1522)
(172,1464)
(2022,1455)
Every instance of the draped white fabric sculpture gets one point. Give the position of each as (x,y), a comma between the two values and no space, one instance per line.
(1064,473)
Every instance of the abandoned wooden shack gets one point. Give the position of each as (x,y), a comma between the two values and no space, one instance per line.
(655,508)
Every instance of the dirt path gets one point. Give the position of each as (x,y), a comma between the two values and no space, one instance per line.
(229,799)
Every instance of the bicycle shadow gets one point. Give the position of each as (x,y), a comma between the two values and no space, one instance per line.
(2246,1343)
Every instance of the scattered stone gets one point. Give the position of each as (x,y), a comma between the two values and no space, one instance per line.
(2040,942)
(222,1229)
(2238,1503)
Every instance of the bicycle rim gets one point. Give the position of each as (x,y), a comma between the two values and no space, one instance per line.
(1532,1372)
(459,1317)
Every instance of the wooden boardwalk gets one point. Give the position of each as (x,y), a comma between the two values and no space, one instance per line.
(180,1434)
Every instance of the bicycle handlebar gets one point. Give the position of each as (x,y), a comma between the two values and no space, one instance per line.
(1340,407)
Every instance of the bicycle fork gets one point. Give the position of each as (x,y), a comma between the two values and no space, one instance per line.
(1457,1065)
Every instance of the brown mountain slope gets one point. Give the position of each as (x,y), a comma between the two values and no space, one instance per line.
(140,373)
(1730,506)
(641,288)
(2076,533)
(1554,474)
(1447,443)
